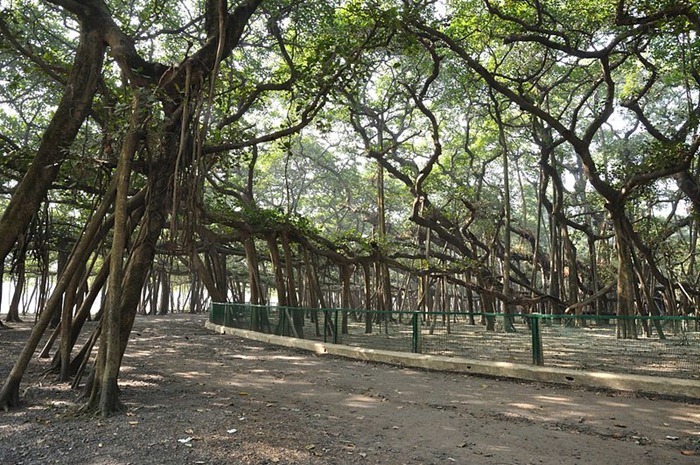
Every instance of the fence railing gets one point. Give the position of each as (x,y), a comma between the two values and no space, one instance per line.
(653,345)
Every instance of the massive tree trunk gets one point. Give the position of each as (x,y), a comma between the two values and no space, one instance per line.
(109,355)
(124,293)
(180,96)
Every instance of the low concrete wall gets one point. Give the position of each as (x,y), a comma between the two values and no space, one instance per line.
(592,379)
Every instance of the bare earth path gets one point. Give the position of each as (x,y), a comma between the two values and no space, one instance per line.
(195,397)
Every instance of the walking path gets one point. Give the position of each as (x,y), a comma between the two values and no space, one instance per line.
(195,396)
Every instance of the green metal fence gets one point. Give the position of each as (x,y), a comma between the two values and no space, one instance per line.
(663,345)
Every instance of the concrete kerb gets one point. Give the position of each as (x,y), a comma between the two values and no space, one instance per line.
(591,379)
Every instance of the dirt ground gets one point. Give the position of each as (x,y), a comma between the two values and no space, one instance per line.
(195,397)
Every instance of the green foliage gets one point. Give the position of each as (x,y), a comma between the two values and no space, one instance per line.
(317,67)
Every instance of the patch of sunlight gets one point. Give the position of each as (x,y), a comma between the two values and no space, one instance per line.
(525,406)
(138,353)
(137,383)
(360,401)
(613,404)
(556,399)
(18,429)
(242,357)
(289,358)
(499,448)
(191,374)
(688,416)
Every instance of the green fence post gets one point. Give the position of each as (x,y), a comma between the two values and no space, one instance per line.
(335,326)
(282,318)
(415,340)
(537,356)
(325,325)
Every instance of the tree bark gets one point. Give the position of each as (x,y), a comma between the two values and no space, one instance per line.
(164,304)
(297,313)
(207,279)
(626,327)
(109,355)
(67,323)
(13,311)
(54,148)
(9,395)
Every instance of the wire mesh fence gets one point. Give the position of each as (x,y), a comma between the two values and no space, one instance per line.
(663,346)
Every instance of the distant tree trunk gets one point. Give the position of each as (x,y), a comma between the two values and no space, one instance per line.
(195,293)
(206,278)
(571,274)
(259,316)
(284,326)
(82,315)
(536,268)
(43,259)
(556,266)
(593,276)
(13,311)
(488,303)
(369,315)
(67,323)
(297,313)
(345,295)
(164,304)
(626,327)
(508,326)
(216,266)
(470,299)
(63,256)
(312,293)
